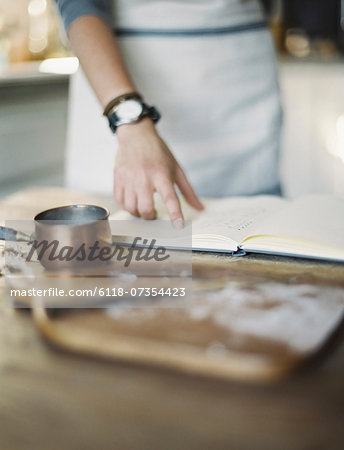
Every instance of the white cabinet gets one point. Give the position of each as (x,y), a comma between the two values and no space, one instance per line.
(33,120)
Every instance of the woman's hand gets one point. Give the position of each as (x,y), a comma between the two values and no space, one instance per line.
(144,165)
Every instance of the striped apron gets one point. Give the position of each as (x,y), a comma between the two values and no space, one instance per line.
(209,67)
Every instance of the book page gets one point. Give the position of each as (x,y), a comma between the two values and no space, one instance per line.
(235,217)
(317,219)
(223,223)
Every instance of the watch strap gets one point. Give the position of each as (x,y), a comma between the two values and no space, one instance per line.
(152,113)
(121,98)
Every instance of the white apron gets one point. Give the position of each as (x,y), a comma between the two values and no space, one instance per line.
(209,67)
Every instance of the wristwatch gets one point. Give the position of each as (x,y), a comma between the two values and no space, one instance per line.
(129,108)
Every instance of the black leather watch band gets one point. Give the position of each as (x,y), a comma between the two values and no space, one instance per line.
(153,113)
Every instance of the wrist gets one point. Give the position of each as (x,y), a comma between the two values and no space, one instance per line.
(128,130)
(127,109)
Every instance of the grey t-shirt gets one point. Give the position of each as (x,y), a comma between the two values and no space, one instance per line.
(71,10)
(165,14)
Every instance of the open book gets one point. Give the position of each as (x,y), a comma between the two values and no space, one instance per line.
(309,227)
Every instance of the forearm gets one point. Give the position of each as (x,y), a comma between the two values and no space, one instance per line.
(95,45)
(144,163)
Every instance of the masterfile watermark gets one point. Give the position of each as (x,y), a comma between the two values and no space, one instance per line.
(71,268)
(139,250)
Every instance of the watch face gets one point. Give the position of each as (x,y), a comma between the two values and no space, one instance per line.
(129,110)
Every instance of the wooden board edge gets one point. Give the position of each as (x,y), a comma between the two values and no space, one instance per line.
(184,358)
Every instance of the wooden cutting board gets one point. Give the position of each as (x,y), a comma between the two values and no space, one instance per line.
(249,318)
(253,319)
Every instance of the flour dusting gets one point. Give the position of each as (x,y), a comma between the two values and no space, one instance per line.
(299,317)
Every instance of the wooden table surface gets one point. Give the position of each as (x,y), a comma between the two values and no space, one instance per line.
(53,400)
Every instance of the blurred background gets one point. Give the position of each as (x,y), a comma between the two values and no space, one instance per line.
(35,66)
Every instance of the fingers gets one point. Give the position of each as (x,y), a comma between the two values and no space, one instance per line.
(168,194)
(118,194)
(130,201)
(145,204)
(140,204)
(187,190)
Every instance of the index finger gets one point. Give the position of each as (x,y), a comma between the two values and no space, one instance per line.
(168,194)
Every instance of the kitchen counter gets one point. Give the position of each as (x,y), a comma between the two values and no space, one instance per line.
(27,73)
(51,399)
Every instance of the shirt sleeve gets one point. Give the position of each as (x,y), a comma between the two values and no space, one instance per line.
(71,10)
